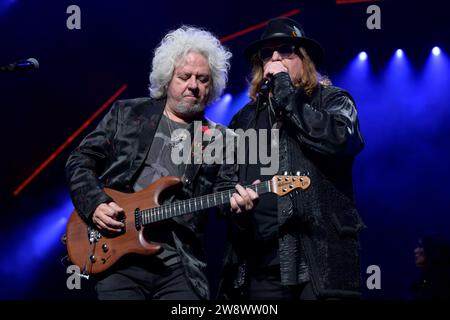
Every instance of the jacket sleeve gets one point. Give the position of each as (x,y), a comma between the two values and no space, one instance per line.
(333,130)
(228,178)
(87,162)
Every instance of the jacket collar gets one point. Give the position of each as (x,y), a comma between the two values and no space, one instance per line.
(148,118)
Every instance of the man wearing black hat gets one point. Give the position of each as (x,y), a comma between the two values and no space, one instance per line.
(304,245)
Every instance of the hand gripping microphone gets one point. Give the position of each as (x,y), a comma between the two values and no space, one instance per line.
(266,85)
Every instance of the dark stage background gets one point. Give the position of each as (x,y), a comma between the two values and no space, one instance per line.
(401,178)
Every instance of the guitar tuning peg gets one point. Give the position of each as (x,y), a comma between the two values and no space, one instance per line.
(285,173)
(298,173)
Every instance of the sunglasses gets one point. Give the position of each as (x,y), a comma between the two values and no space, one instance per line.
(285,51)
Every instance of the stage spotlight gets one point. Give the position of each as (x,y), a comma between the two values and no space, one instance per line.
(436,51)
(362,56)
(399,53)
(227,98)
(219,110)
(6,4)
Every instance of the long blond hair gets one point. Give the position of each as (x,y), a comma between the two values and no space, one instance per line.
(308,80)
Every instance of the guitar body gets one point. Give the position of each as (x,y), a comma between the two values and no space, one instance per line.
(94,252)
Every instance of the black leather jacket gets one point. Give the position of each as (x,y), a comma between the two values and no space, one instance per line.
(318,226)
(112,155)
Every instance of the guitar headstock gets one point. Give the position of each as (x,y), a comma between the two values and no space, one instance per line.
(282,185)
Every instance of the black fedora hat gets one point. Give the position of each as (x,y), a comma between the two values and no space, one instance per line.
(286,30)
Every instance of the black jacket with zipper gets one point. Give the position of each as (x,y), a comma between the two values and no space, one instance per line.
(112,156)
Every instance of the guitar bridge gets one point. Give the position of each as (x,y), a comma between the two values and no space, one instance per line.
(94,235)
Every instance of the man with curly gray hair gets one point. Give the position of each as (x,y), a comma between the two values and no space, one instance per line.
(132,147)
(176,45)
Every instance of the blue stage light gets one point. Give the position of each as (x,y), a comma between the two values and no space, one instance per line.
(436,51)
(43,234)
(399,53)
(6,4)
(227,98)
(225,108)
(219,111)
(362,56)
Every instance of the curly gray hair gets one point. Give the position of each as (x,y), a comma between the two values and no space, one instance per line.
(175,46)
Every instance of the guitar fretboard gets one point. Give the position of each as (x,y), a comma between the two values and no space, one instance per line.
(182,207)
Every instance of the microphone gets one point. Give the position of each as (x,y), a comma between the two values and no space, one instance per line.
(266,85)
(21,66)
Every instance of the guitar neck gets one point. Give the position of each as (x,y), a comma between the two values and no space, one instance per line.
(182,207)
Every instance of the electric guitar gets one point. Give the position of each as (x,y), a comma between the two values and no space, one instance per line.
(94,251)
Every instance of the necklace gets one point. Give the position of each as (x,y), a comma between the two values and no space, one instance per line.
(176,141)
